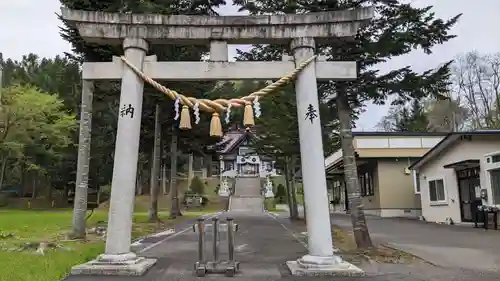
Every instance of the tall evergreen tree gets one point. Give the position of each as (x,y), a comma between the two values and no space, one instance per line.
(411,118)
(397,29)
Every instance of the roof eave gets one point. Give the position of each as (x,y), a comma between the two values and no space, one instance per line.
(438,148)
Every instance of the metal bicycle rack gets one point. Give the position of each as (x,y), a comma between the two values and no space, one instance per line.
(228,267)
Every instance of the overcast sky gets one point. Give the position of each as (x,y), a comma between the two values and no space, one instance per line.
(31,26)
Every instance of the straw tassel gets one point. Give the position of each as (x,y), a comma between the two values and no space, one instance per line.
(215,126)
(248,119)
(185,123)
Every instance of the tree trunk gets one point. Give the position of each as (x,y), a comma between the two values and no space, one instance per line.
(289,190)
(65,195)
(49,189)
(2,172)
(98,195)
(293,190)
(154,189)
(33,188)
(304,209)
(23,180)
(190,169)
(138,182)
(82,170)
(360,229)
(138,178)
(175,209)
(164,179)
(287,187)
(207,162)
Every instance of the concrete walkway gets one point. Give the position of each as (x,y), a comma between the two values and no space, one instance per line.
(266,241)
(454,247)
(247,195)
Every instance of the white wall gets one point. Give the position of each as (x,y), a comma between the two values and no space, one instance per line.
(397,142)
(364,142)
(462,150)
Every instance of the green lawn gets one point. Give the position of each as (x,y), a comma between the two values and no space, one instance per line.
(32,226)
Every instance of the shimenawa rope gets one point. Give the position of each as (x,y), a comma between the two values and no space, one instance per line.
(219,105)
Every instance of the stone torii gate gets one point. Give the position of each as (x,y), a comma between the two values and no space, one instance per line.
(136,32)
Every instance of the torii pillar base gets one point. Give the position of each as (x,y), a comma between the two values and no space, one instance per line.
(115,265)
(323,266)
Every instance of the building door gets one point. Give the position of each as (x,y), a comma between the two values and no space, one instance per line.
(495,186)
(469,187)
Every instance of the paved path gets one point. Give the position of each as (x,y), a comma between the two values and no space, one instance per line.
(454,247)
(263,245)
(247,195)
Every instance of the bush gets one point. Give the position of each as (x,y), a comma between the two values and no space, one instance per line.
(269,204)
(280,194)
(197,186)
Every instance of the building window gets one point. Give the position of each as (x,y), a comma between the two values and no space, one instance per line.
(436,191)
(366,184)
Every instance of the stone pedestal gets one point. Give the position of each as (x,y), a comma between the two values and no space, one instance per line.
(269,190)
(119,265)
(323,266)
(269,193)
(224,189)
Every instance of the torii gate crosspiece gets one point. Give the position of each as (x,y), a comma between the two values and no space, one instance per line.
(218,105)
(136,33)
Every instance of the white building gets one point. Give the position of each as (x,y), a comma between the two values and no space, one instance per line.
(452,176)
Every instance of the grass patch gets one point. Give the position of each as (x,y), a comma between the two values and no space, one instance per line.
(53,266)
(51,226)
(344,241)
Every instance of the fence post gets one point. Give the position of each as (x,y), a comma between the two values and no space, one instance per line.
(215,225)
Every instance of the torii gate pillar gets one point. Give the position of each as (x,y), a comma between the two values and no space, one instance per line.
(320,259)
(311,152)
